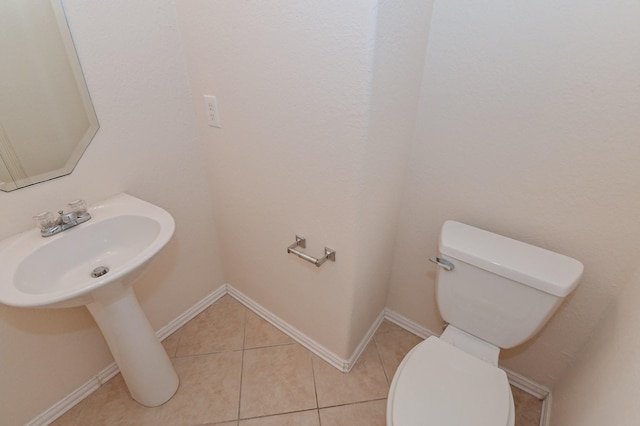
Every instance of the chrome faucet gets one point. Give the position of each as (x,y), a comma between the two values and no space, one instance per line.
(50,224)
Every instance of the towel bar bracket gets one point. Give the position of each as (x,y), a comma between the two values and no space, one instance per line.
(301,242)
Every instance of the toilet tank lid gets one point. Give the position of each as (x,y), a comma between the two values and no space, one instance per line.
(536,267)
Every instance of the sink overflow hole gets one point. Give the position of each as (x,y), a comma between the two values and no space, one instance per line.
(99,271)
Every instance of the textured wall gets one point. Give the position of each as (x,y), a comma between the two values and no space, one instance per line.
(400,40)
(291,82)
(528,127)
(525,126)
(299,84)
(604,384)
(147,146)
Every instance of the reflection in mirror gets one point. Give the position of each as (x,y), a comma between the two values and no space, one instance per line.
(46,116)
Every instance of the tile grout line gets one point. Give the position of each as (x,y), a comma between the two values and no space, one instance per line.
(232,350)
(379,343)
(244,344)
(384,370)
(346,404)
(179,331)
(315,386)
(266,416)
(274,345)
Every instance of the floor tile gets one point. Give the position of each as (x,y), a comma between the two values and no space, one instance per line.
(371,413)
(218,328)
(170,344)
(227,299)
(393,344)
(209,390)
(528,408)
(365,381)
(259,333)
(387,326)
(70,418)
(301,418)
(113,405)
(275,380)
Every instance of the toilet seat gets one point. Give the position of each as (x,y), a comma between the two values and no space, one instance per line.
(439,384)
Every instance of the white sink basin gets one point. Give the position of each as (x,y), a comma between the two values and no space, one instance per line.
(123,234)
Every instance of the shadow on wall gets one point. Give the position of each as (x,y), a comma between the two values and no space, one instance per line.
(47,322)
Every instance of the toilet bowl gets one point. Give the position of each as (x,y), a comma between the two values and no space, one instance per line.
(440,384)
(494,292)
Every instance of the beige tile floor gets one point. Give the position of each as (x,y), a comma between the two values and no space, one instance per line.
(238,370)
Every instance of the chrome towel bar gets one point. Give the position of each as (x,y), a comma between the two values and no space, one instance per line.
(302,242)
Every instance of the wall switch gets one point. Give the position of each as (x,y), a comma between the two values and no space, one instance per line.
(211,108)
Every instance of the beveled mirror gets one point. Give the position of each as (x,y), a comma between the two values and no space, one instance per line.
(46,116)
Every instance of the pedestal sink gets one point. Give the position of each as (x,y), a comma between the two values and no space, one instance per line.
(94,264)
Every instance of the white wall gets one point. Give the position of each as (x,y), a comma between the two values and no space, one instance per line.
(297,152)
(603,386)
(147,146)
(291,82)
(528,127)
(400,41)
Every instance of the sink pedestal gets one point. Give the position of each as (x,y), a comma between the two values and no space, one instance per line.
(143,362)
(95,264)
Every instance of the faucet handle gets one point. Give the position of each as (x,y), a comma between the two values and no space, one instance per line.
(45,220)
(79,207)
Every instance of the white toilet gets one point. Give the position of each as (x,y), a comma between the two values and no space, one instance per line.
(494,292)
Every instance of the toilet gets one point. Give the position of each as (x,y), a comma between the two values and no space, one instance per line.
(493,292)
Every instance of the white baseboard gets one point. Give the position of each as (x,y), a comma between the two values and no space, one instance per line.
(341,364)
(192,312)
(364,342)
(108,373)
(66,403)
(535,389)
(407,324)
(75,397)
(545,417)
(529,386)
(315,347)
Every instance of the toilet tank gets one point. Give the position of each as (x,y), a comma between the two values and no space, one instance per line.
(500,290)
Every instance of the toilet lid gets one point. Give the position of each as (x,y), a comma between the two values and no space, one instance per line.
(439,384)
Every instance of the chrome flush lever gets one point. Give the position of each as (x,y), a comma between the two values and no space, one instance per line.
(443,263)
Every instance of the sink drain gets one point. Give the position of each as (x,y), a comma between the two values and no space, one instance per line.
(99,271)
